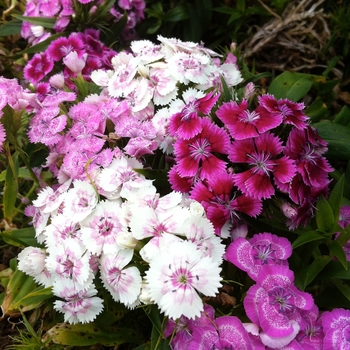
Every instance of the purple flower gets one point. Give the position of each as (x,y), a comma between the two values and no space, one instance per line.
(344,216)
(227,333)
(262,249)
(336,328)
(275,304)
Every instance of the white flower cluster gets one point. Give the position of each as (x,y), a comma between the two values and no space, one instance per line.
(83,234)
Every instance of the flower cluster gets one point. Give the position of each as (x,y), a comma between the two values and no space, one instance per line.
(160,112)
(63,11)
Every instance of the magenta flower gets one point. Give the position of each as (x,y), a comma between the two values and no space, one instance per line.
(336,328)
(61,47)
(38,67)
(187,124)
(311,333)
(227,333)
(262,154)
(2,136)
(344,216)
(275,304)
(220,206)
(262,249)
(184,328)
(244,124)
(290,112)
(196,155)
(306,148)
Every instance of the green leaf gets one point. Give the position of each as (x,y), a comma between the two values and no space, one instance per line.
(343,287)
(293,86)
(336,197)
(39,21)
(91,334)
(11,188)
(343,117)
(324,216)
(336,269)
(307,237)
(317,110)
(33,299)
(337,250)
(337,136)
(316,267)
(177,14)
(11,27)
(24,237)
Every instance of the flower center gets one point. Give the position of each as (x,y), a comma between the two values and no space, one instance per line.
(279,296)
(264,253)
(200,149)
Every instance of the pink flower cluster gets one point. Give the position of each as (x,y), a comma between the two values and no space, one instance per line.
(64,10)
(65,58)
(255,155)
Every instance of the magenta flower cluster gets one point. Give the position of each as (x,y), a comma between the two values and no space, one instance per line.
(64,11)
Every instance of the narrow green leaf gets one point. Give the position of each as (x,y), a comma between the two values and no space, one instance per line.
(24,237)
(317,110)
(39,21)
(91,334)
(343,287)
(324,216)
(336,269)
(11,27)
(11,189)
(293,86)
(316,267)
(33,299)
(337,250)
(336,196)
(177,14)
(307,237)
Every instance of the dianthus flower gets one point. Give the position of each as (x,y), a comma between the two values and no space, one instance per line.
(38,67)
(275,304)
(197,155)
(336,328)
(226,332)
(262,154)
(262,249)
(219,203)
(344,216)
(243,123)
(176,276)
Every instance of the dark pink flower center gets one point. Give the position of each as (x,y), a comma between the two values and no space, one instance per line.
(261,162)
(249,117)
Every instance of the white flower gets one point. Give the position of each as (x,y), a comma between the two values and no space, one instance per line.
(146,50)
(102,227)
(31,260)
(177,275)
(80,201)
(74,63)
(78,305)
(70,261)
(124,284)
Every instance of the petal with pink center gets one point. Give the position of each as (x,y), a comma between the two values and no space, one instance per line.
(284,170)
(259,186)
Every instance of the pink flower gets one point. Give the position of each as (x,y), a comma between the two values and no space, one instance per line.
(187,124)
(38,67)
(344,216)
(2,136)
(219,203)
(262,155)
(290,112)
(262,249)
(196,155)
(244,124)
(275,304)
(336,328)
(61,47)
